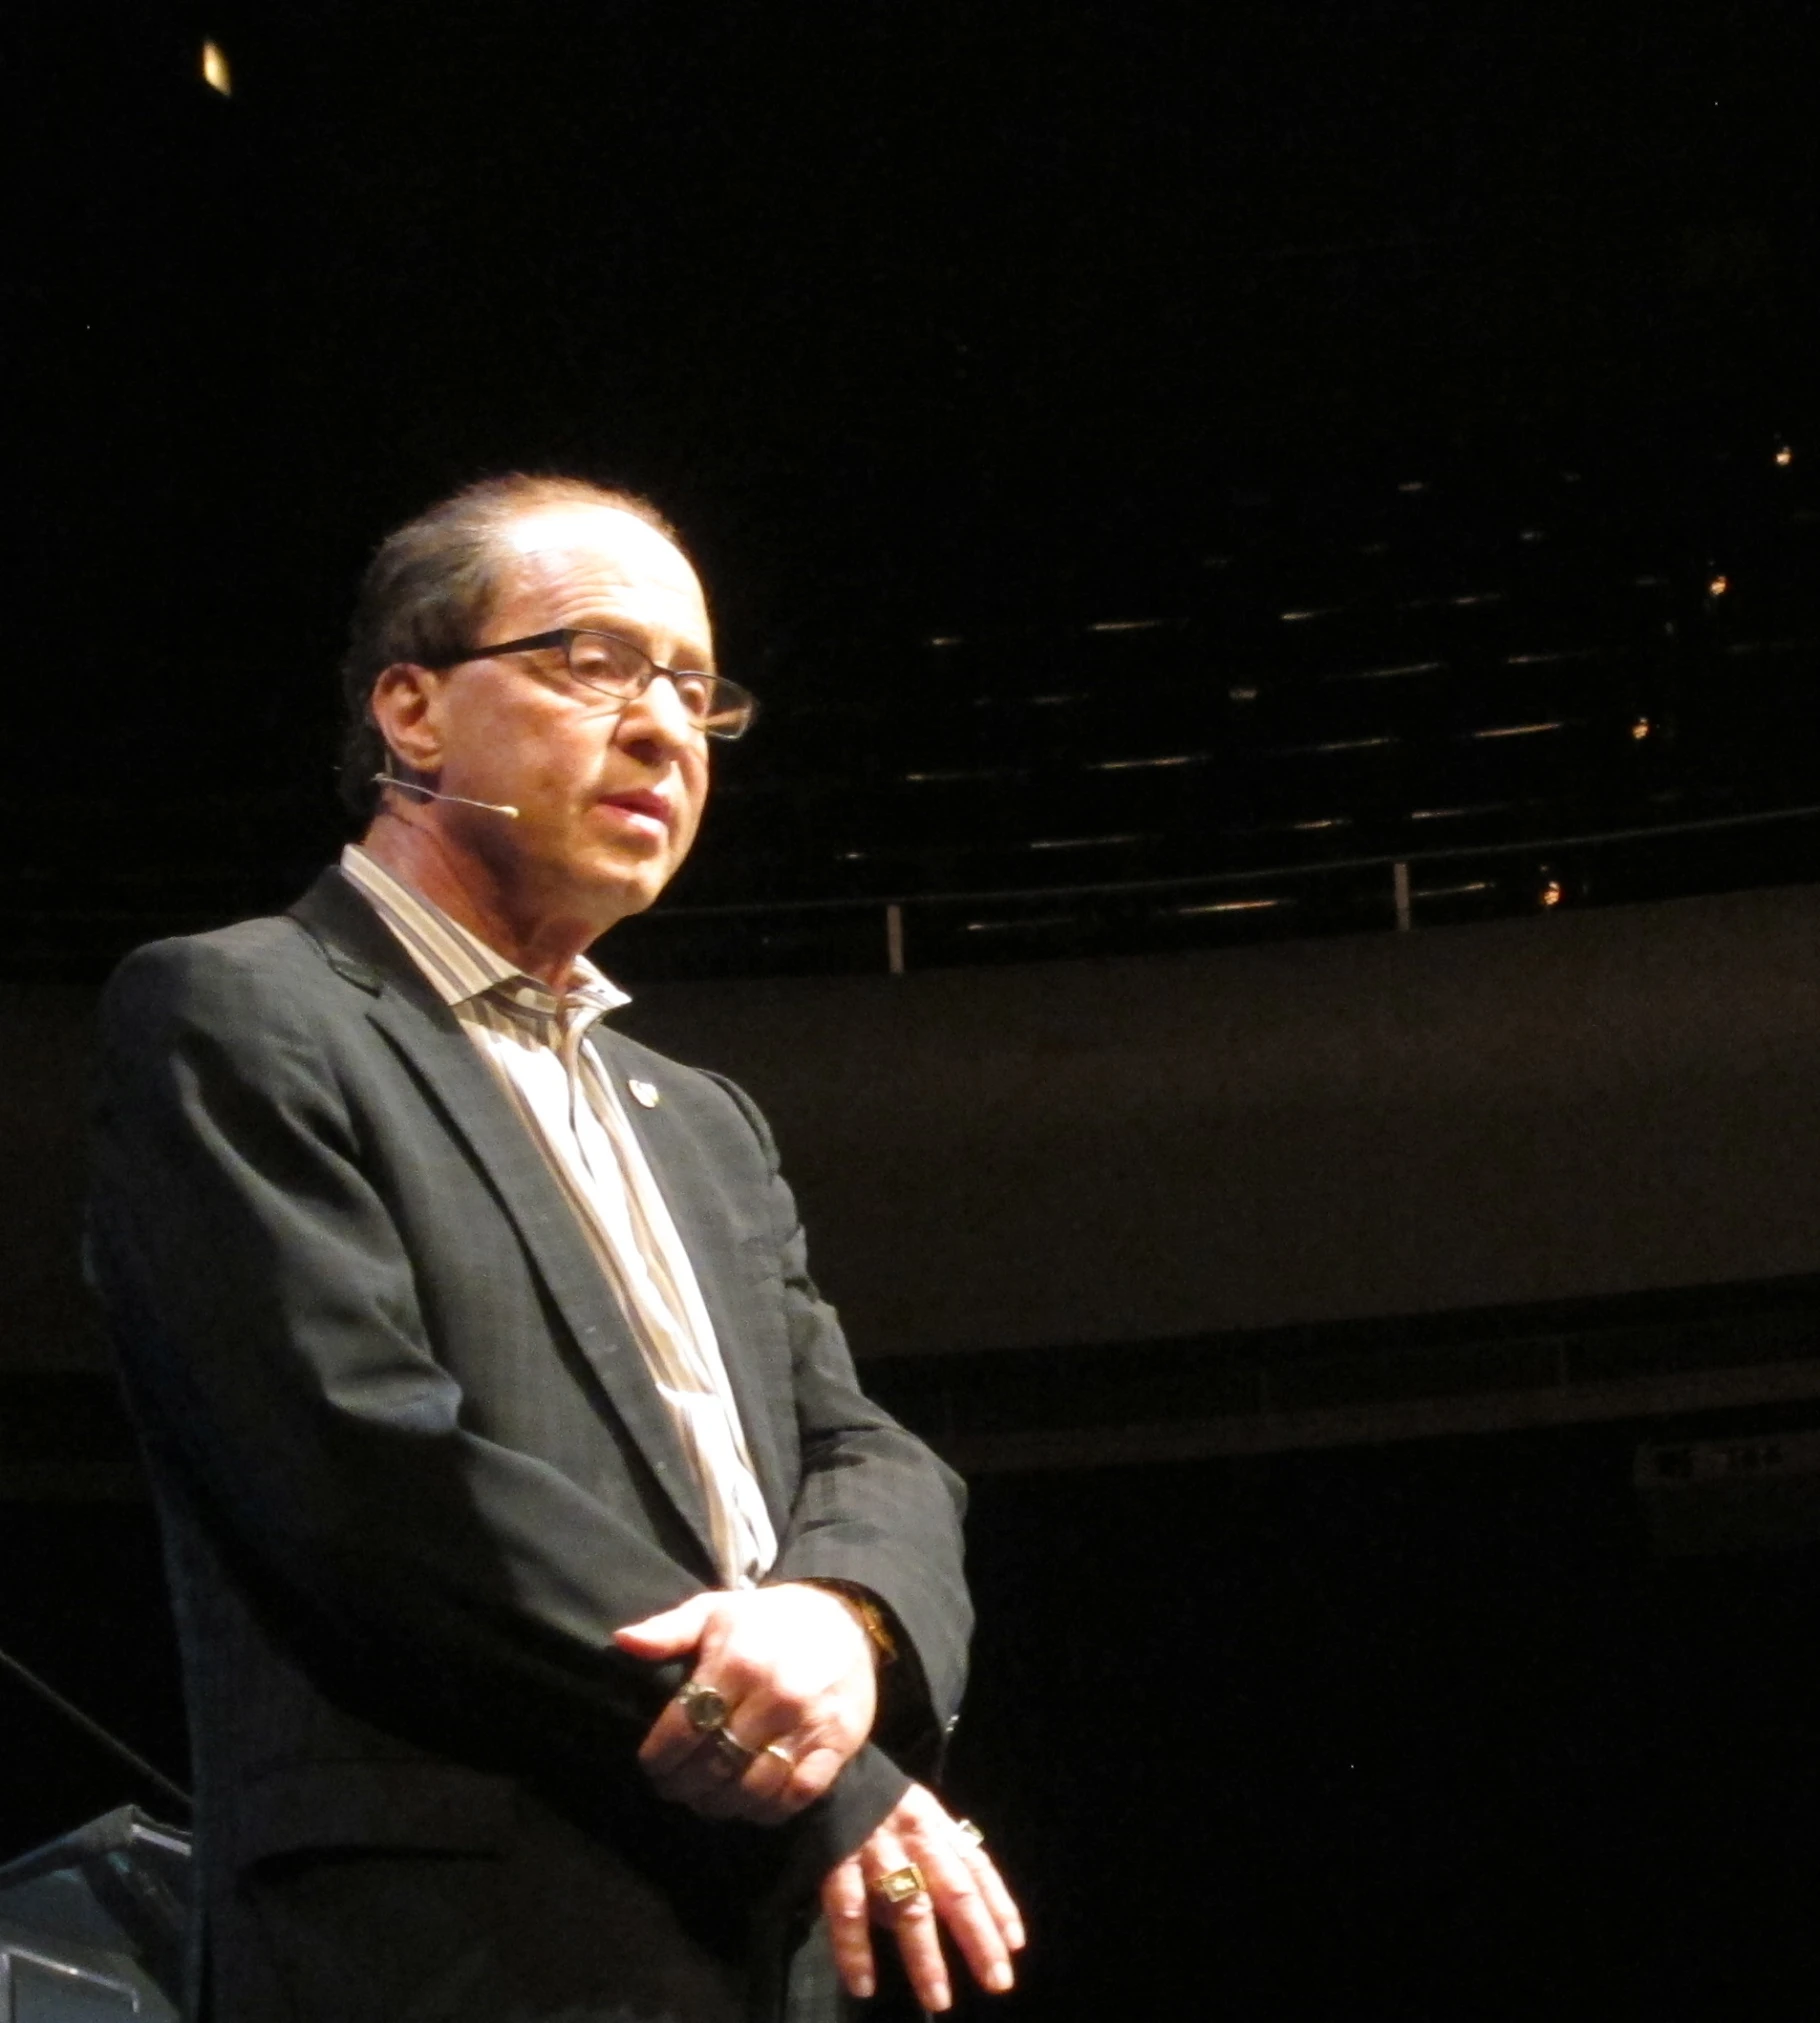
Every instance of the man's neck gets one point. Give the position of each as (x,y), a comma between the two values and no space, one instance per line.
(417,851)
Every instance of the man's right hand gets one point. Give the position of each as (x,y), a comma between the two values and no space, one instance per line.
(797,1676)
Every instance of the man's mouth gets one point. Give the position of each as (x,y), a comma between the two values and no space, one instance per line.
(642,801)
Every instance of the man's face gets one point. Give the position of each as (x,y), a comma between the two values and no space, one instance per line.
(609,795)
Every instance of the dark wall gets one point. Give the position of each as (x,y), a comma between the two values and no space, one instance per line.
(46,1038)
(1421,1733)
(1561,1109)
(1548,1110)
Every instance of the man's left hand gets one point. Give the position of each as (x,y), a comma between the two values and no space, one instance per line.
(947,1884)
(797,1676)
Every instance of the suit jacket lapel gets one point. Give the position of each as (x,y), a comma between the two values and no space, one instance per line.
(426,1033)
(675,1159)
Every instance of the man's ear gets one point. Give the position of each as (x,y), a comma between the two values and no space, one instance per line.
(404,713)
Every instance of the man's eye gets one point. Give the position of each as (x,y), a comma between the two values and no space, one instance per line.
(697,692)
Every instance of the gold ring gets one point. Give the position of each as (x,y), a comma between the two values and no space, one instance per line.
(705,1708)
(901,1884)
(964,1829)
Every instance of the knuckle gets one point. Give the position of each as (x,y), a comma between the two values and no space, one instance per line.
(803,1791)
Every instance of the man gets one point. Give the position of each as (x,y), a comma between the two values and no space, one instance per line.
(560,1622)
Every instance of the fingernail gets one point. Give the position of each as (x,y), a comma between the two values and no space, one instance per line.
(999,1979)
(864,1987)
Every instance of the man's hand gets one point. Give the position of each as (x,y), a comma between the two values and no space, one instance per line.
(797,1675)
(963,1892)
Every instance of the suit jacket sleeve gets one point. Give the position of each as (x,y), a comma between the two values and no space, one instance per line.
(877,1509)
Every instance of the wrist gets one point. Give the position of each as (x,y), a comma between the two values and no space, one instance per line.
(868,1612)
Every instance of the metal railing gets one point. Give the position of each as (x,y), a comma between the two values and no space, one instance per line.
(1380,890)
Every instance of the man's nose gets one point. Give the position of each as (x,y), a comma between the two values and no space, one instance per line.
(657,717)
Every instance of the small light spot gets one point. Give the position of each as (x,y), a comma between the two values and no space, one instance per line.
(1388,673)
(1785,456)
(215,72)
(1452,891)
(1083,842)
(1718,586)
(1641,728)
(1551,893)
(1460,814)
(1030,924)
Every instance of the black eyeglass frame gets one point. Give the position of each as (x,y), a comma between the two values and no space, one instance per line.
(722,693)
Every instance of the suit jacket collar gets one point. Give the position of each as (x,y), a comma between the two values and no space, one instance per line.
(406,1010)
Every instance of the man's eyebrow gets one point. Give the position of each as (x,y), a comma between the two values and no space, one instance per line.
(692,658)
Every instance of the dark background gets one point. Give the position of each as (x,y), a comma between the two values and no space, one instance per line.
(1419,1731)
(924,318)
(921,319)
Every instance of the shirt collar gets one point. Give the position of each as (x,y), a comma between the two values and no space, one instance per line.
(458,965)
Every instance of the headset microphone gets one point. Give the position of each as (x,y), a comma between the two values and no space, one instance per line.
(391,779)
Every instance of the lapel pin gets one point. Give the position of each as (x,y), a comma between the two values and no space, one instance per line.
(645,1093)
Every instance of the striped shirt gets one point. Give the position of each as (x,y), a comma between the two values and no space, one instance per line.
(536,1042)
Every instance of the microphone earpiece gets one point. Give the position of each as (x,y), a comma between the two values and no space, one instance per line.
(391,779)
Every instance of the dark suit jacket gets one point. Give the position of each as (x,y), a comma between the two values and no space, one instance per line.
(410,1464)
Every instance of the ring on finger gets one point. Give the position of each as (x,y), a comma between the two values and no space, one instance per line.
(965,1830)
(783,1755)
(731,1750)
(704,1707)
(899,1885)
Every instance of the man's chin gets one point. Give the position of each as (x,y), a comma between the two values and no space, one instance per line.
(622,895)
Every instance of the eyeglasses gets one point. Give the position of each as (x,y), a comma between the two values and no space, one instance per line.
(614,667)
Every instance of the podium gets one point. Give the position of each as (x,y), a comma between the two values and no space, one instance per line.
(91,1924)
